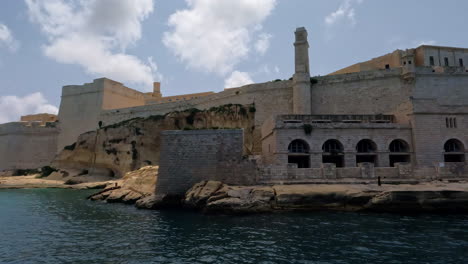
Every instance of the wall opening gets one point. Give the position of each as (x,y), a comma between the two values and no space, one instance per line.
(399,152)
(454,151)
(399,159)
(338,160)
(461,62)
(366,149)
(431,60)
(446,61)
(366,158)
(302,161)
(333,153)
(299,153)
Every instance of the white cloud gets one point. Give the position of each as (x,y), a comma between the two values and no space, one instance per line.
(12,107)
(237,79)
(263,43)
(215,35)
(345,12)
(95,35)
(7,39)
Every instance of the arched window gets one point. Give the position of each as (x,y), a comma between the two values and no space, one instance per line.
(298,153)
(454,149)
(298,146)
(333,153)
(332,146)
(399,145)
(399,152)
(366,146)
(453,145)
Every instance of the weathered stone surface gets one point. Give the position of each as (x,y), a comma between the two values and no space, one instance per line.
(200,192)
(395,199)
(134,186)
(117,196)
(128,145)
(422,201)
(156,202)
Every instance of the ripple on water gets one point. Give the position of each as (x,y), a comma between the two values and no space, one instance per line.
(60,226)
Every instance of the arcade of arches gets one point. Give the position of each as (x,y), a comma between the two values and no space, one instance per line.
(366,151)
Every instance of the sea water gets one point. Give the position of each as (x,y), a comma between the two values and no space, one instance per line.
(61,226)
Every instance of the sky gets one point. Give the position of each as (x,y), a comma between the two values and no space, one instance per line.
(199,45)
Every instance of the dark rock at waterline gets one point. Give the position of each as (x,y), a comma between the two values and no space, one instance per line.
(215,197)
(157,202)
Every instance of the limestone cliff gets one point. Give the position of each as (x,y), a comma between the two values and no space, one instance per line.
(129,145)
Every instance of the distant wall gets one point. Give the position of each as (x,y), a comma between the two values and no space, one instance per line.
(27,145)
(188,157)
(439,54)
(376,92)
(393,60)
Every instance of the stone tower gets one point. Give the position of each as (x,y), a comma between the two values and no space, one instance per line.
(301,78)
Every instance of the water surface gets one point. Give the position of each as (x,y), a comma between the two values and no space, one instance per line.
(60,226)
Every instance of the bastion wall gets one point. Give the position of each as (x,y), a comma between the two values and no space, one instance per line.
(27,145)
(189,157)
(81,105)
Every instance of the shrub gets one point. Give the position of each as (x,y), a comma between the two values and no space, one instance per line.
(307,129)
(70,147)
(25,172)
(47,170)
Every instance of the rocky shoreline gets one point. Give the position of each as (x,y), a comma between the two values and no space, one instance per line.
(32,182)
(215,197)
(138,188)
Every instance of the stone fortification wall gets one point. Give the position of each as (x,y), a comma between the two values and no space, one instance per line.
(81,105)
(269,99)
(393,60)
(371,93)
(27,145)
(134,143)
(437,98)
(328,172)
(188,157)
(175,98)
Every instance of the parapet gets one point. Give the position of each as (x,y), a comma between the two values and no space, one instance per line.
(42,118)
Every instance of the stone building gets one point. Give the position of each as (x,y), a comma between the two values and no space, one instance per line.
(404,114)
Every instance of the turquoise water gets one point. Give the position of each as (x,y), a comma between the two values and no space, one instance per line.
(60,226)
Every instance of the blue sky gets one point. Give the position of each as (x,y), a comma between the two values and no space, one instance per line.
(199,45)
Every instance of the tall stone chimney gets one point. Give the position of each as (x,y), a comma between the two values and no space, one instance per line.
(157,90)
(301,78)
